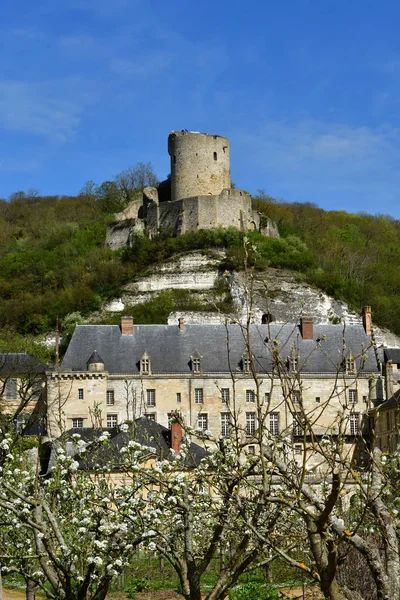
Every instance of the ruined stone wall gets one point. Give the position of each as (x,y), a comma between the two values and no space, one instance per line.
(200,164)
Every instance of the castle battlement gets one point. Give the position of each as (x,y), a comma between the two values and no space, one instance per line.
(198,195)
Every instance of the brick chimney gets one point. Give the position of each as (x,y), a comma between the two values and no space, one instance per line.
(176,435)
(127,325)
(306,327)
(367,319)
(181,324)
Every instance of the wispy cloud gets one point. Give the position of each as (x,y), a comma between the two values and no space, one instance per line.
(143,65)
(42,108)
(310,144)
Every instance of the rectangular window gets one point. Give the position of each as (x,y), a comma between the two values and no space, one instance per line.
(145,366)
(274,423)
(151,416)
(21,421)
(250,396)
(353,396)
(298,449)
(250,423)
(365,399)
(150,397)
(225,424)
(388,420)
(202,422)
(267,397)
(196,365)
(77,423)
(198,395)
(251,449)
(11,389)
(297,424)
(318,399)
(80,393)
(296,396)
(178,397)
(110,398)
(225,395)
(350,366)
(246,364)
(112,421)
(354,423)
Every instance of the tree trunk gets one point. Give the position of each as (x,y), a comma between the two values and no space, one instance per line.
(30,589)
(1,585)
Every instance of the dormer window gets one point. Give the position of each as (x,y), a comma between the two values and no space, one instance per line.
(350,364)
(246,362)
(196,362)
(293,361)
(145,364)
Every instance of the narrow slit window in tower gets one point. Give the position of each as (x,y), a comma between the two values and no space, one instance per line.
(215,156)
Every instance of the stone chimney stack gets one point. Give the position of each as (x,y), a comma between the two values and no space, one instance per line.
(389,379)
(127,325)
(367,319)
(176,435)
(306,327)
(181,324)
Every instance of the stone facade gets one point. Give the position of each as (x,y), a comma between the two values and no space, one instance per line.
(209,395)
(200,164)
(200,195)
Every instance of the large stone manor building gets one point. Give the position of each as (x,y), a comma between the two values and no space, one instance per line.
(207,373)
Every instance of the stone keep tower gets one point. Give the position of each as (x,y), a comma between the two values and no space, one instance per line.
(200,164)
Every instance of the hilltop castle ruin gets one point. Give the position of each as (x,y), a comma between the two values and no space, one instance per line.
(198,195)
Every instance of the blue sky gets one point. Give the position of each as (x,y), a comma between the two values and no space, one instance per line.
(306,90)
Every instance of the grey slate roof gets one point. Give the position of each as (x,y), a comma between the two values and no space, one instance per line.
(392,354)
(144,431)
(20,363)
(95,358)
(170,349)
(392,402)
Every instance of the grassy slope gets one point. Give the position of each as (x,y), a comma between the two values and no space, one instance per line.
(53,261)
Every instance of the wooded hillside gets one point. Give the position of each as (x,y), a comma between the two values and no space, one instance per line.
(53,260)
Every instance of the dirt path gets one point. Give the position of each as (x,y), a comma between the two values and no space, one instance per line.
(292,593)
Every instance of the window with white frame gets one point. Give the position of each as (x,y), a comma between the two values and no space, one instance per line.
(225,395)
(202,421)
(110,401)
(250,396)
(11,389)
(274,423)
(298,424)
(198,396)
(354,423)
(250,423)
(77,423)
(350,365)
(196,365)
(80,393)
(145,364)
(150,397)
(112,421)
(225,424)
(246,362)
(20,421)
(296,397)
(353,396)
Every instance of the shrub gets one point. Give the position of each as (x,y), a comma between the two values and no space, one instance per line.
(136,585)
(254,591)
